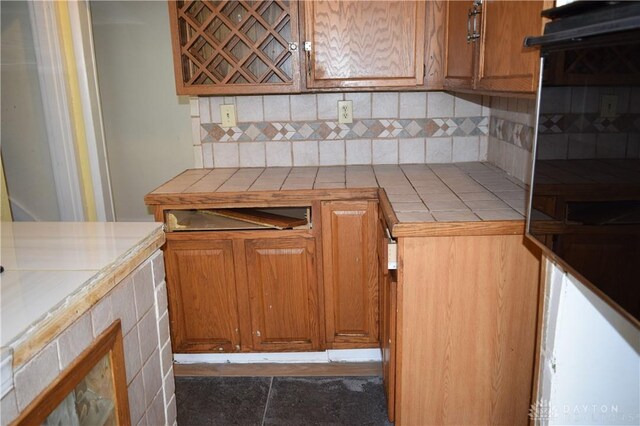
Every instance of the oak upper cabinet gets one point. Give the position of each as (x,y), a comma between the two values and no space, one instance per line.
(364,44)
(459,65)
(485,45)
(201,286)
(349,245)
(235,47)
(505,64)
(281,278)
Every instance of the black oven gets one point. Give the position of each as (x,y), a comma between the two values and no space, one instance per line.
(584,208)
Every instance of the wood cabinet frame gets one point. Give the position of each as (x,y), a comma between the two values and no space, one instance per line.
(108,343)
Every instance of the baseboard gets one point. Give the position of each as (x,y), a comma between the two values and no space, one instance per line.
(331,355)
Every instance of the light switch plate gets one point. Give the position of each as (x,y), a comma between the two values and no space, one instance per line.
(345,112)
(228,115)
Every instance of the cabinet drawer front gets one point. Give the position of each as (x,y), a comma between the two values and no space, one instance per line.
(281,278)
(202,296)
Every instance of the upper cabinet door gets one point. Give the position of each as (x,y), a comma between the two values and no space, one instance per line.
(236,47)
(365,44)
(505,64)
(459,65)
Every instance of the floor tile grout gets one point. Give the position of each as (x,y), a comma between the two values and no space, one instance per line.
(266,405)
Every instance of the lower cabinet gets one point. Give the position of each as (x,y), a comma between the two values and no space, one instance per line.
(466,330)
(281,278)
(201,284)
(222,285)
(349,244)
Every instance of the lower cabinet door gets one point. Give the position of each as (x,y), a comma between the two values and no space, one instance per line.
(202,295)
(350,266)
(283,293)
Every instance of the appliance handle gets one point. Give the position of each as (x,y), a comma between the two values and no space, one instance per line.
(623,24)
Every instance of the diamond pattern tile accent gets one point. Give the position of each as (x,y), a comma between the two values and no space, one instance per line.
(331,130)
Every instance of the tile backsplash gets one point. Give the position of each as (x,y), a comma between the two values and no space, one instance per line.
(303,130)
(511,135)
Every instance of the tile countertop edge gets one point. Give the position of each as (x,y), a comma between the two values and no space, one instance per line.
(37,335)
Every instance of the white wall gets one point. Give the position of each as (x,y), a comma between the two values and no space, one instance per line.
(25,148)
(147,127)
(590,358)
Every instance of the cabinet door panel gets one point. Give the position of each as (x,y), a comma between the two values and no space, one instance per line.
(350,272)
(357,44)
(235,47)
(202,296)
(459,69)
(282,285)
(506,65)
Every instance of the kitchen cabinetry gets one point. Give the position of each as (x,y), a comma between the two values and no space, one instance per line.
(235,47)
(467,314)
(242,291)
(365,44)
(281,278)
(202,294)
(349,240)
(485,45)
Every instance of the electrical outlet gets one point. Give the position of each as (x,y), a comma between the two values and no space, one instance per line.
(609,106)
(345,112)
(228,115)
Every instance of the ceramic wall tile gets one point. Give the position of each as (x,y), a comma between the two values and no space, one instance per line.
(75,339)
(276,108)
(384,151)
(384,105)
(439,150)
(136,399)
(278,154)
(413,104)
(34,376)
(411,151)
(303,108)
(249,108)
(143,289)
(148,335)
(133,361)
(226,154)
(305,153)
(331,152)
(465,149)
(358,151)
(252,154)
(467,105)
(328,105)
(439,104)
(361,104)
(152,380)
(101,316)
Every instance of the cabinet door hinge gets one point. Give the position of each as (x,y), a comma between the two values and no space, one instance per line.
(307,46)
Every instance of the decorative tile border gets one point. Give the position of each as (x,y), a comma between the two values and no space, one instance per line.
(588,123)
(359,129)
(517,134)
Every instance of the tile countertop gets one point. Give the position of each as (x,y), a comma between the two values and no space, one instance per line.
(421,197)
(50,265)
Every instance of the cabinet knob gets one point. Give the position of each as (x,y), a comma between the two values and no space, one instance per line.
(293,46)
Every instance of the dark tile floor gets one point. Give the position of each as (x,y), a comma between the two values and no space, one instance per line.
(280,401)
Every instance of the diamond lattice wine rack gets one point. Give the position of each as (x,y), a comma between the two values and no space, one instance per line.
(235,46)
